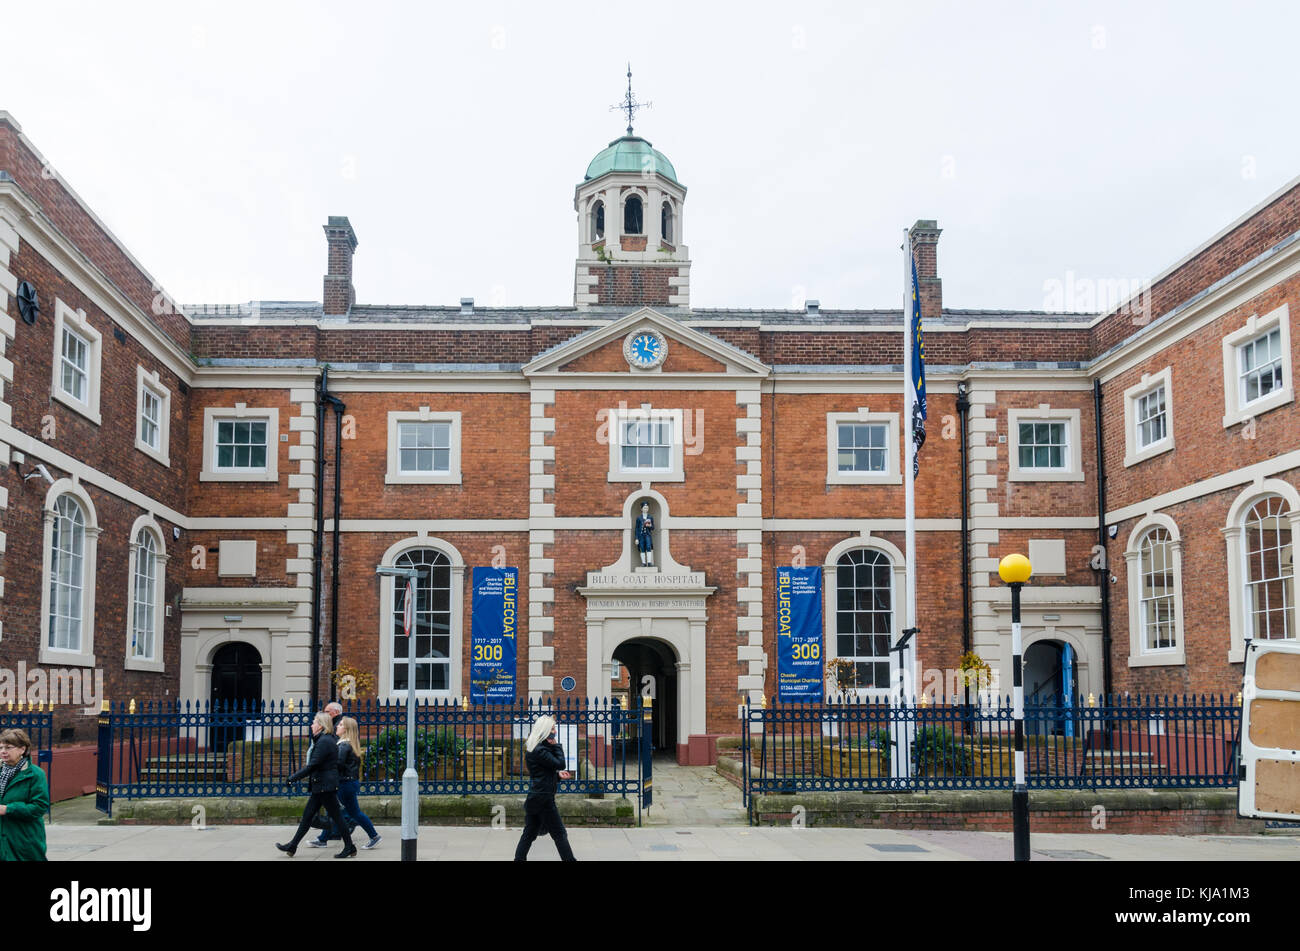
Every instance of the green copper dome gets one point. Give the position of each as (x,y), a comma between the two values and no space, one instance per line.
(630,154)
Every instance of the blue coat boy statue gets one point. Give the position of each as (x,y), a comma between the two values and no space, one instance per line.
(645,526)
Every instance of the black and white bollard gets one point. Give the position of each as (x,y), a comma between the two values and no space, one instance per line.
(1015,571)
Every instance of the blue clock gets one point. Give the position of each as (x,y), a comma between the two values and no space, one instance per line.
(645,349)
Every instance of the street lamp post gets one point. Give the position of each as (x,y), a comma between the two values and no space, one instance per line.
(410,781)
(1015,571)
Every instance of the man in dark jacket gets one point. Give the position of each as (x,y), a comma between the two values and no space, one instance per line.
(545,759)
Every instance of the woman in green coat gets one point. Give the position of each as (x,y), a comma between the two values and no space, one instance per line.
(24,800)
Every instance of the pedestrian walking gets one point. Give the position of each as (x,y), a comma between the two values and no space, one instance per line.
(24,800)
(321,820)
(322,773)
(351,755)
(545,759)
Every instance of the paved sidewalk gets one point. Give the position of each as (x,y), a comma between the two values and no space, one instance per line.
(257,843)
(693,796)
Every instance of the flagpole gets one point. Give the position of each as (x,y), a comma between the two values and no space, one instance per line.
(905,676)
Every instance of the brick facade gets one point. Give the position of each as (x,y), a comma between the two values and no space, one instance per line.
(533,390)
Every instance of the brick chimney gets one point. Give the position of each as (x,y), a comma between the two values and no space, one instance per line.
(339,292)
(925,241)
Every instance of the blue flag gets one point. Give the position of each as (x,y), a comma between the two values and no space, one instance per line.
(918,374)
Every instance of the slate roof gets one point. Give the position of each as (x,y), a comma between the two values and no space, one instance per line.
(362,314)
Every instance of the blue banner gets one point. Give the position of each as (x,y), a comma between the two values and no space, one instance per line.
(494,623)
(799,675)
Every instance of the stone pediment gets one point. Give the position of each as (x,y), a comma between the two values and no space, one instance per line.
(600,351)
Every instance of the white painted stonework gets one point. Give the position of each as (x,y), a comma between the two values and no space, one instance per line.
(668,604)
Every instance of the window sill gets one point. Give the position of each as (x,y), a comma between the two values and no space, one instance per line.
(1046,475)
(864,478)
(206,476)
(64,658)
(1174,658)
(645,477)
(1252,410)
(153,453)
(149,666)
(422,478)
(1150,452)
(85,409)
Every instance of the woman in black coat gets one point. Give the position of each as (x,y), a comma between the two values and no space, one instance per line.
(322,769)
(545,759)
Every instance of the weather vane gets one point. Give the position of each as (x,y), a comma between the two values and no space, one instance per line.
(629,103)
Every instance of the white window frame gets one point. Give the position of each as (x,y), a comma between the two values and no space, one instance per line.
(1139,655)
(386,607)
(85,656)
(830,602)
(146,382)
(1073,469)
(892,474)
(1134,451)
(1288,616)
(154,664)
(76,321)
(240,411)
(395,475)
(617,418)
(1234,537)
(1235,409)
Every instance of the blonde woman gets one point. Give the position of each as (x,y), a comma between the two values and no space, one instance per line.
(322,773)
(350,755)
(545,759)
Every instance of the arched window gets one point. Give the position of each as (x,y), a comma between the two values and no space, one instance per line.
(1270,570)
(864,614)
(666,221)
(598,221)
(144,589)
(67,575)
(632,216)
(431,630)
(1157,592)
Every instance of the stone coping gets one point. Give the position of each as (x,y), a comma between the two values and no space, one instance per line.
(434,810)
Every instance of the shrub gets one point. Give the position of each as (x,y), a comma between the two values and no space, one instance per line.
(937,748)
(387,752)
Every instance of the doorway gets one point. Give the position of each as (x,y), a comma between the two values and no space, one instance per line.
(652,670)
(1045,679)
(236,691)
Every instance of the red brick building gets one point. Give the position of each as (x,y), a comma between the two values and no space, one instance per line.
(178,483)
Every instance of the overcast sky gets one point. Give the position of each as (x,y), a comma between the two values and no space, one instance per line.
(1103,140)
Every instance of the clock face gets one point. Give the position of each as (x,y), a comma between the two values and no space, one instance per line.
(645,349)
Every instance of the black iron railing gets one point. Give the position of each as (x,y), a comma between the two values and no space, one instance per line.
(1182,742)
(204,749)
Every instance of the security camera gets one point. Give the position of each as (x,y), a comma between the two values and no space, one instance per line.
(41,471)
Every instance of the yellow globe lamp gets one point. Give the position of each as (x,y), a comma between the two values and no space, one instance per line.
(1015,569)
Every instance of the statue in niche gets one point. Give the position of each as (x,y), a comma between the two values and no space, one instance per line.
(645,526)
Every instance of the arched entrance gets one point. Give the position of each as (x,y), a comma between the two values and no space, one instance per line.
(236,686)
(652,667)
